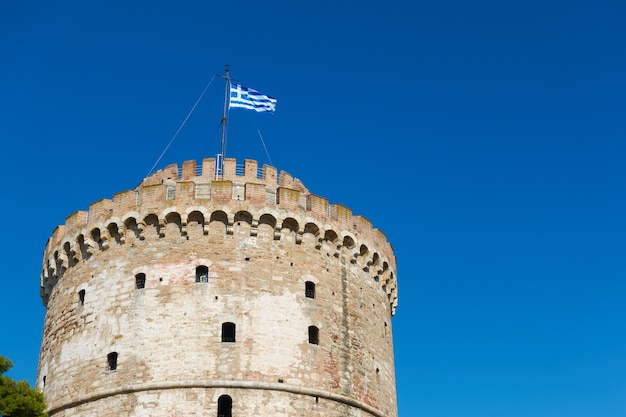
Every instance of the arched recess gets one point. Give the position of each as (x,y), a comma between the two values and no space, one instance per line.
(60,266)
(348,242)
(331,241)
(242,223)
(310,235)
(385,273)
(173,225)
(375,259)
(362,261)
(195,224)
(218,224)
(243,216)
(131,226)
(331,236)
(83,246)
(152,229)
(289,229)
(70,253)
(96,236)
(114,233)
(266,228)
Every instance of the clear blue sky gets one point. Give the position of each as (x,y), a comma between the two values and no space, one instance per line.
(484,138)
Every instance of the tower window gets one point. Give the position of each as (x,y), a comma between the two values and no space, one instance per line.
(81,296)
(202,273)
(314,335)
(228,332)
(309,289)
(140,281)
(224,406)
(112,361)
(170,193)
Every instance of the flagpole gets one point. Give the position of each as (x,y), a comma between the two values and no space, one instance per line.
(224,123)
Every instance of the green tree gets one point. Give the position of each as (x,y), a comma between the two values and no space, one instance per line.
(17,398)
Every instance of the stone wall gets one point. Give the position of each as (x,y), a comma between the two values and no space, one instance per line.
(264,240)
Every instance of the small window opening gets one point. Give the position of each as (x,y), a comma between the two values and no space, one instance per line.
(140,281)
(112,360)
(228,332)
(224,406)
(170,193)
(309,289)
(81,296)
(44,380)
(202,273)
(314,335)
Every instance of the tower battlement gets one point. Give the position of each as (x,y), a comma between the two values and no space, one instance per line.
(141,289)
(175,192)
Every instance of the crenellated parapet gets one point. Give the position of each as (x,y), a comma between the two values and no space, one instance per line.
(192,202)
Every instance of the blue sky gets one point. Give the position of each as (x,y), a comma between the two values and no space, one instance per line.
(485,139)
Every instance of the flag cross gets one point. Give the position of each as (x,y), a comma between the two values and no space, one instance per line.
(247,98)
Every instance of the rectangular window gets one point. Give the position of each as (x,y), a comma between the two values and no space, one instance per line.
(112,361)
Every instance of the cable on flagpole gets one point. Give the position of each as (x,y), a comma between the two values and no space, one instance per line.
(181,126)
(264,147)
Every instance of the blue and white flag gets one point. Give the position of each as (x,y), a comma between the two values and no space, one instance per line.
(247,98)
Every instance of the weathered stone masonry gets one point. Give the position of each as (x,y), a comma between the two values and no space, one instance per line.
(189,296)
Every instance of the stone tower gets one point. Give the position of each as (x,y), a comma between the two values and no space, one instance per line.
(240,296)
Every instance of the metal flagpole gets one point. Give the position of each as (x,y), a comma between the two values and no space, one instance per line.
(224,124)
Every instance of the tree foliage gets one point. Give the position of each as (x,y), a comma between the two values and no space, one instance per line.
(17,398)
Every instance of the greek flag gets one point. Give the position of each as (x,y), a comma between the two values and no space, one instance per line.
(247,98)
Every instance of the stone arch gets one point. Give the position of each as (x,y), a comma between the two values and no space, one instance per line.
(266,227)
(269,220)
(96,236)
(291,224)
(310,235)
(331,236)
(114,233)
(385,273)
(152,227)
(218,224)
(375,259)
(289,230)
(362,261)
(348,242)
(195,224)
(243,216)
(242,223)
(130,224)
(312,229)
(60,264)
(173,224)
(70,254)
(219,216)
(84,247)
